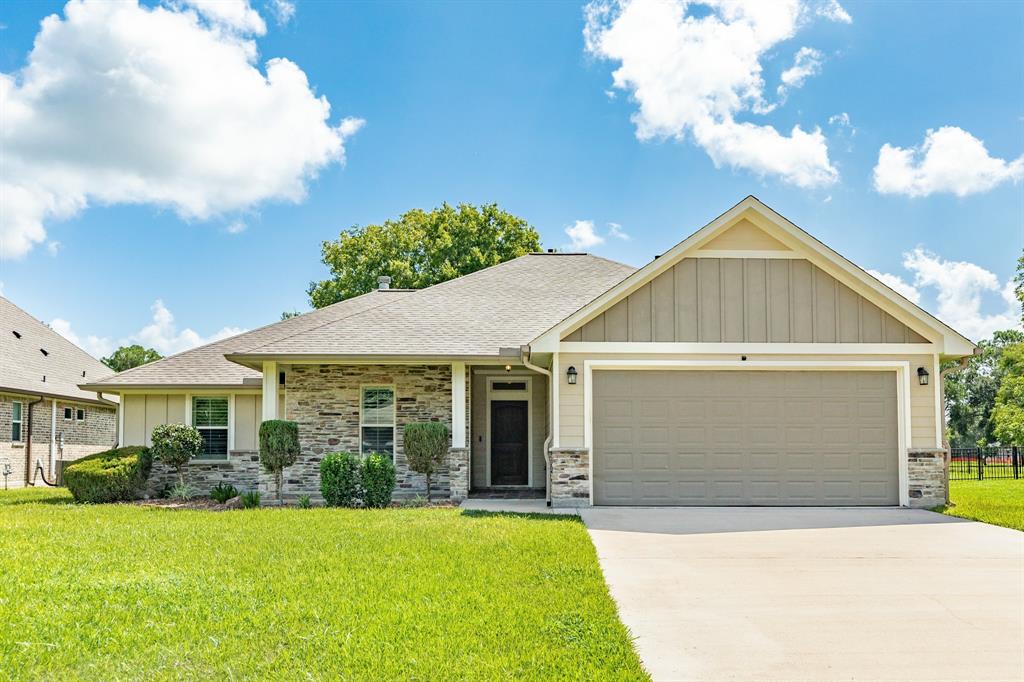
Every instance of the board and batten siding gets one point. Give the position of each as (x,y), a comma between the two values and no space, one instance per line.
(143,412)
(570,397)
(755,300)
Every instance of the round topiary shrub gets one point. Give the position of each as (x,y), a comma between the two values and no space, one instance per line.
(340,479)
(426,444)
(113,476)
(279,448)
(378,479)
(175,445)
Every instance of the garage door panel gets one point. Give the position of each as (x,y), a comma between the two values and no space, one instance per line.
(745,437)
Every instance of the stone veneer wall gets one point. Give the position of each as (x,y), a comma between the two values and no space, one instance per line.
(242,470)
(570,477)
(324,400)
(928,477)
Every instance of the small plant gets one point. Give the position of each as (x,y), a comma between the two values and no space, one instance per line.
(111,476)
(279,448)
(413,502)
(426,444)
(222,492)
(250,499)
(305,502)
(175,445)
(182,491)
(378,480)
(340,479)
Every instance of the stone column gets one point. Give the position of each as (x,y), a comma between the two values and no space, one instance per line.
(928,477)
(570,477)
(458,474)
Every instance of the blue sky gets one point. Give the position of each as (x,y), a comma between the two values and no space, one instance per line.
(153,190)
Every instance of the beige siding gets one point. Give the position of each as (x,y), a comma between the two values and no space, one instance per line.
(754,300)
(745,235)
(922,403)
(143,412)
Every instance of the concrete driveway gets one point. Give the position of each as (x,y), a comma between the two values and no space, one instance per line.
(815,594)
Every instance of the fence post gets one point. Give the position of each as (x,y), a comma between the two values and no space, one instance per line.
(1016,461)
(981,459)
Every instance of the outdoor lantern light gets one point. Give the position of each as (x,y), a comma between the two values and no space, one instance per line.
(922,376)
(570,374)
(508,368)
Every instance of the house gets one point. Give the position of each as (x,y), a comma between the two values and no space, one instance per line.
(748,365)
(45,418)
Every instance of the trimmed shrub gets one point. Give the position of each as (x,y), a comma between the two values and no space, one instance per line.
(176,444)
(340,479)
(251,499)
(279,448)
(222,492)
(426,444)
(305,502)
(112,476)
(378,480)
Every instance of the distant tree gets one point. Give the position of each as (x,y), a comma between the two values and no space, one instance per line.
(1008,413)
(1018,280)
(287,315)
(971,392)
(420,249)
(127,357)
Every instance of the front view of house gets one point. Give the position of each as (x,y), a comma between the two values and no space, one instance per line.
(748,365)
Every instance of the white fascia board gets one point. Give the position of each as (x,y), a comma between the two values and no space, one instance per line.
(668,348)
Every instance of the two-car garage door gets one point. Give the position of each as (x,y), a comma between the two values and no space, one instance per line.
(732,437)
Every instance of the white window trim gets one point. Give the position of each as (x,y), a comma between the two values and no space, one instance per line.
(231,417)
(20,421)
(394,419)
(525,395)
(902,370)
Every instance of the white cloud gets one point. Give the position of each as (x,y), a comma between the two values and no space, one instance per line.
(237,227)
(833,11)
(692,76)
(161,333)
(582,235)
(283,11)
(806,63)
(615,230)
(899,285)
(950,160)
(124,104)
(52,247)
(960,289)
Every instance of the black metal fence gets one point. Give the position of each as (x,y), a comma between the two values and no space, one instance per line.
(979,464)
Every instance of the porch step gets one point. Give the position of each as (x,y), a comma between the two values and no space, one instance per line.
(506,494)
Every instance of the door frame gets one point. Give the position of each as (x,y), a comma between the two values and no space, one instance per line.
(526,396)
(901,368)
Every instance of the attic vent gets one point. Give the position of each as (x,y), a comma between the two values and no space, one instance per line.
(16,334)
(44,351)
(83,373)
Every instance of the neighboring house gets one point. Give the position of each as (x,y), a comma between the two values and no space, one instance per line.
(748,365)
(44,416)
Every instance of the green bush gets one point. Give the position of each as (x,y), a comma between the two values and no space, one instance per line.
(378,480)
(279,448)
(111,476)
(426,444)
(176,444)
(340,479)
(251,499)
(305,502)
(222,492)
(182,492)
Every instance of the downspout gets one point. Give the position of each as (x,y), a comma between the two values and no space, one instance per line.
(524,354)
(28,443)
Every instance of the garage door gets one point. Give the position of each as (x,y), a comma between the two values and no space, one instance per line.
(701,437)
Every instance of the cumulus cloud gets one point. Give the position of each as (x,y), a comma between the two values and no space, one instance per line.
(283,10)
(237,227)
(950,160)
(806,63)
(691,76)
(126,104)
(615,230)
(833,11)
(582,235)
(161,333)
(960,290)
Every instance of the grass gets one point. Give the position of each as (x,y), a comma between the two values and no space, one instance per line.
(125,592)
(996,501)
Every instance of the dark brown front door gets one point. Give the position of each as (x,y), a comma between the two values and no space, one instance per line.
(509,442)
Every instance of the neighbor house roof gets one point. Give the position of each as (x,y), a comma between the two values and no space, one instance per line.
(35,360)
(477,315)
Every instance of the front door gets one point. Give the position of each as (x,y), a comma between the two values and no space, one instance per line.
(509,442)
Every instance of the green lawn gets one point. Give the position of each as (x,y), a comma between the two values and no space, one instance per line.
(123,592)
(998,501)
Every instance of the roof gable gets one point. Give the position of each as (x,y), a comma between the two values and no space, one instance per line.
(747,228)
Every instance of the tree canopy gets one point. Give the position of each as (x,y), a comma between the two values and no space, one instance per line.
(127,357)
(421,248)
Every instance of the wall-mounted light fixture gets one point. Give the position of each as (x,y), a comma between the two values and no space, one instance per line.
(570,375)
(922,376)
(508,368)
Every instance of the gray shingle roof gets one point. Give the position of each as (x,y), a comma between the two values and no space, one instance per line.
(23,364)
(503,306)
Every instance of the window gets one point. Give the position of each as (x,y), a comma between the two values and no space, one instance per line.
(16,408)
(80,414)
(69,413)
(210,416)
(377,421)
(508,386)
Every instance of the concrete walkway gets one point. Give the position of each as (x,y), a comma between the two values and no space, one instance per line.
(815,594)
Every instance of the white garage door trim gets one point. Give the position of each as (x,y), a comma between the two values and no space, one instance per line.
(902,370)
